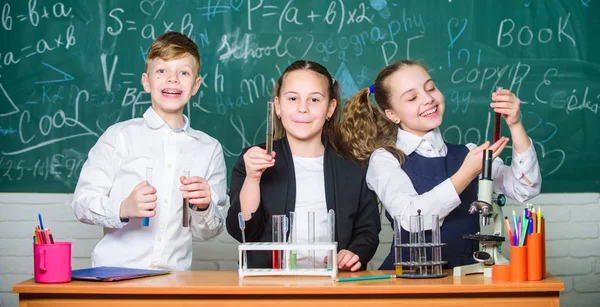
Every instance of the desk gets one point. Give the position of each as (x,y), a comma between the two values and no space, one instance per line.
(224,288)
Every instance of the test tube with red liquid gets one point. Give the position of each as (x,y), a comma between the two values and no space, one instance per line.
(278,232)
(497,120)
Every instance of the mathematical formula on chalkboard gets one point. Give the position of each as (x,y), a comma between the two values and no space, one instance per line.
(70,69)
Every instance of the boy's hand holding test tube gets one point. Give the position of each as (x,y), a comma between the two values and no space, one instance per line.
(196,190)
(140,203)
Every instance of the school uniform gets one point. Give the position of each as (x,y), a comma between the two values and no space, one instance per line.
(423,182)
(118,162)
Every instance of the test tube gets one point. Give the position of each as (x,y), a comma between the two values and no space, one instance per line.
(311,238)
(285,255)
(417,239)
(242,224)
(421,240)
(397,244)
(186,205)
(413,239)
(277,232)
(436,250)
(293,240)
(331,225)
(269,126)
(331,236)
(497,120)
(146,220)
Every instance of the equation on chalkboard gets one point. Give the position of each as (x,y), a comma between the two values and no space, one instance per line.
(69,69)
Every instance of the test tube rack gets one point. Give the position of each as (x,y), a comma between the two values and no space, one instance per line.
(421,266)
(270,246)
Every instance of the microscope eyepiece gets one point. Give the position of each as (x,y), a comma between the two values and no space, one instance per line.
(486,168)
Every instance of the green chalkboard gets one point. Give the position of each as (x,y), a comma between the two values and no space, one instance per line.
(71,68)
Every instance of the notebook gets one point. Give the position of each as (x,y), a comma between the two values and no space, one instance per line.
(105,273)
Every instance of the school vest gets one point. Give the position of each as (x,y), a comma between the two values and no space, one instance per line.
(426,173)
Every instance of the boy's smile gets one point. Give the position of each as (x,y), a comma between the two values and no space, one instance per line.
(171,93)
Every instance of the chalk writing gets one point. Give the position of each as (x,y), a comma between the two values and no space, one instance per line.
(70,69)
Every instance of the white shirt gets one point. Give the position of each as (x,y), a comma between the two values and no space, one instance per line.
(117,163)
(310,197)
(399,197)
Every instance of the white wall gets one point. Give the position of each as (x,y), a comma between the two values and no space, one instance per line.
(573,243)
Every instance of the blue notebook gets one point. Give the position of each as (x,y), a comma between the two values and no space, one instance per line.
(106,273)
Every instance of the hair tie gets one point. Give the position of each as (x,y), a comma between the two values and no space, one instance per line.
(332,81)
(372,89)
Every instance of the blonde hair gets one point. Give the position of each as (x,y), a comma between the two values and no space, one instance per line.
(330,129)
(174,45)
(365,127)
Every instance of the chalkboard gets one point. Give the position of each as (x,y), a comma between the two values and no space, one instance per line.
(71,68)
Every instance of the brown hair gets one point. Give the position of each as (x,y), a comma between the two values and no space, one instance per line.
(174,45)
(365,127)
(333,91)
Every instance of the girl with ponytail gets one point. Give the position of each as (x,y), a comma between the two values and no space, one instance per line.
(411,168)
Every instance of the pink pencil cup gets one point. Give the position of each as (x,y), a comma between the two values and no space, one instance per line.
(52,262)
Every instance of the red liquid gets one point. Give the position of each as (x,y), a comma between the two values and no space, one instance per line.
(276,259)
(497,123)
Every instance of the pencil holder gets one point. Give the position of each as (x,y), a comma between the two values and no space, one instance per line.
(501,272)
(543,233)
(518,263)
(534,256)
(52,262)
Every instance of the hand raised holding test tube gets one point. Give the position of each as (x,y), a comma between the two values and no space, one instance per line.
(508,105)
(257,159)
(141,202)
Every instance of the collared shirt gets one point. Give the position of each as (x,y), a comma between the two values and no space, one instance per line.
(399,197)
(118,162)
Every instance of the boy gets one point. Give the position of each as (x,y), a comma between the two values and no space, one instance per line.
(112,192)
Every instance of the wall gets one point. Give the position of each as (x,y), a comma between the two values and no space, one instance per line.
(573,246)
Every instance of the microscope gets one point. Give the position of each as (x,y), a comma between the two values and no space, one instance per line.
(489,207)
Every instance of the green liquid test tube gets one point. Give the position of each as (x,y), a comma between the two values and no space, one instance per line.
(293,261)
